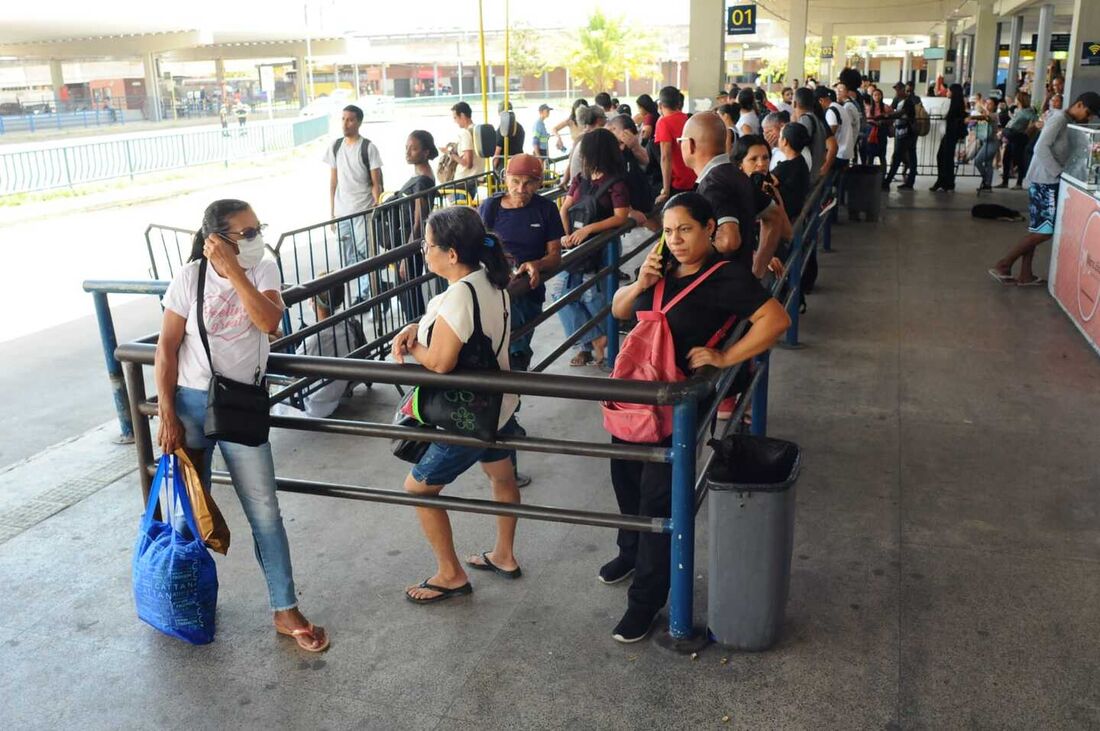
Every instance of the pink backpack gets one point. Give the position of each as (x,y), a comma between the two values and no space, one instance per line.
(649,354)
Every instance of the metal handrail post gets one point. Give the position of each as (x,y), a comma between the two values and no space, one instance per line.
(114,368)
(794,284)
(759,426)
(612,255)
(143,437)
(682,526)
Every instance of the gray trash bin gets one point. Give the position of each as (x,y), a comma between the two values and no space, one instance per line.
(864,190)
(751,519)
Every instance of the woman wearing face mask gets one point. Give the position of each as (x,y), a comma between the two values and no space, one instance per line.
(241,306)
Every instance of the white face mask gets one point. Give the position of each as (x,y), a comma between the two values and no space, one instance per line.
(252,251)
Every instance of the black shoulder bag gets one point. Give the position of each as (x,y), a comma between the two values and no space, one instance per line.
(235,412)
(458,410)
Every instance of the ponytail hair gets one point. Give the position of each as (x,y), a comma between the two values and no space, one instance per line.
(461,230)
(214,220)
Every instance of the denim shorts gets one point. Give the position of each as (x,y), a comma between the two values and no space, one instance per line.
(443,463)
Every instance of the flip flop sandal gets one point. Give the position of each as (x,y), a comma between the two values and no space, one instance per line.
(444,592)
(1002,278)
(303,635)
(581,359)
(1037,282)
(490,566)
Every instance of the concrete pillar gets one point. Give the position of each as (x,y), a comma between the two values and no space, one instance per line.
(964,58)
(867,63)
(1014,33)
(706,48)
(906,65)
(1042,53)
(219,76)
(355,77)
(384,84)
(57,81)
(1085,27)
(840,57)
(300,80)
(984,54)
(827,40)
(626,85)
(935,68)
(950,68)
(796,51)
(152,88)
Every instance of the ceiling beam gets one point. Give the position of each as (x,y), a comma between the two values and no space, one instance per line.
(259,49)
(115,46)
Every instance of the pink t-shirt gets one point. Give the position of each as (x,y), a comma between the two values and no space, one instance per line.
(669,128)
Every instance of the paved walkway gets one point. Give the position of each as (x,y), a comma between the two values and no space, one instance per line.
(946,570)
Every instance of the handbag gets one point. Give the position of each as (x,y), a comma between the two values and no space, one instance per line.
(408,450)
(174,578)
(445,169)
(235,412)
(459,410)
(213,530)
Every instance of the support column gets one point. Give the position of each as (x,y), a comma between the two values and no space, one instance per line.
(355,77)
(152,88)
(840,58)
(1085,27)
(867,63)
(706,48)
(796,51)
(906,65)
(384,84)
(935,68)
(1042,53)
(1012,80)
(57,81)
(964,58)
(300,80)
(219,76)
(827,40)
(950,68)
(985,48)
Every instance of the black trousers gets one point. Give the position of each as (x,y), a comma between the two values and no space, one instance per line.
(905,150)
(644,488)
(1015,154)
(945,159)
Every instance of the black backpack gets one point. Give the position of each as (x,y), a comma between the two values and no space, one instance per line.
(589,209)
(364,152)
(637,182)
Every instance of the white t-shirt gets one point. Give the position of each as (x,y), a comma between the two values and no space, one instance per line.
(237,347)
(778,157)
(751,120)
(845,132)
(457,307)
(466,142)
(353,183)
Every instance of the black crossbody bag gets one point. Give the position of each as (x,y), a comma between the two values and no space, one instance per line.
(235,412)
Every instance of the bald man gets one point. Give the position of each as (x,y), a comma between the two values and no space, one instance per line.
(736,201)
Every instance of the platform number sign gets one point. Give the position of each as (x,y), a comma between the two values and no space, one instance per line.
(741,20)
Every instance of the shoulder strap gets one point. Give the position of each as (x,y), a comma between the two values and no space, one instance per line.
(605,186)
(336,146)
(478,329)
(492,210)
(200,314)
(364,155)
(687,290)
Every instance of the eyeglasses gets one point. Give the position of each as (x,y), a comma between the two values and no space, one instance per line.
(424,246)
(248,233)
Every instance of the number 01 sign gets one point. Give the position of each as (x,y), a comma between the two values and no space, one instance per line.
(740,20)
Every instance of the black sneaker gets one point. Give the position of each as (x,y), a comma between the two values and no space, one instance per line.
(615,570)
(905,186)
(522,480)
(634,626)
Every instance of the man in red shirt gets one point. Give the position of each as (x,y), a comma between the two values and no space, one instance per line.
(676,177)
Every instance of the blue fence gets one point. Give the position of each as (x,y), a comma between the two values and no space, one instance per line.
(66,166)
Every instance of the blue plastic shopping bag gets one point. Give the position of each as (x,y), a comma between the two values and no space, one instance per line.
(175,579)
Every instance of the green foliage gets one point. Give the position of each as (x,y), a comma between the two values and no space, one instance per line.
(607,48)
(525,52)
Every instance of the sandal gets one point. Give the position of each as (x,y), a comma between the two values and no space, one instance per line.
(490,566)
(1037,282)
(1001,277)
(582,358)
(444,592)
(306,636)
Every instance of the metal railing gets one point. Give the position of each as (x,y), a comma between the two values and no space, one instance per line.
(928,148)
(60,166)
(701,394)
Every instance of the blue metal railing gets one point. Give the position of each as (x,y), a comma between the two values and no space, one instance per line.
(61,166)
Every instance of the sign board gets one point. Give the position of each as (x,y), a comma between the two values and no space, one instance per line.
(1059,42)
(735,61)
(741,20)
(1090,53)
(267,78)
(826,52)
(935,54)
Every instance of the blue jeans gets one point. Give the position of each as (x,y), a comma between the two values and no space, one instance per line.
(442,464)
(575,314)
(525,308)
(353,248)
(253,473)
(983,160)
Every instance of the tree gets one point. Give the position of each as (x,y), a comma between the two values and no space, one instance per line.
(607,49)
(525,52)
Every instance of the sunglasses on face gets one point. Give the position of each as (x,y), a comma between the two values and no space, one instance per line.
(247,233)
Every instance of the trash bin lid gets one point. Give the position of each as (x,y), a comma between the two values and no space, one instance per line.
(745,463)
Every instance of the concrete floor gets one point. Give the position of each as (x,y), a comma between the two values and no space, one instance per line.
(946,570)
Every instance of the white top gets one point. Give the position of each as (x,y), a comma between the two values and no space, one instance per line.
(750,119)
(353,184)
(785,107)
(332,342)
(845,132)
(457,307)
(237,347)
(466,142)
(778,157)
